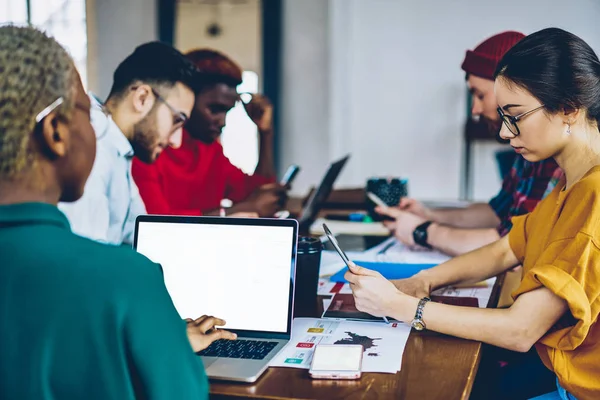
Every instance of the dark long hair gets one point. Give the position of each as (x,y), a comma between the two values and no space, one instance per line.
(558,68)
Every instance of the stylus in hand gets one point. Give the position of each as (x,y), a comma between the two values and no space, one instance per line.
(341,253)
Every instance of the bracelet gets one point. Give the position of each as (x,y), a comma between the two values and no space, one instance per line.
(418,323)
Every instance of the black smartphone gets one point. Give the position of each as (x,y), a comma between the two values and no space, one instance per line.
(289,175)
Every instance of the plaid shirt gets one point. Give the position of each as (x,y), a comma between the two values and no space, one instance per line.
(523,188)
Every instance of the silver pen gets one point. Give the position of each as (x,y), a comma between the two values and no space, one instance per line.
(386,320)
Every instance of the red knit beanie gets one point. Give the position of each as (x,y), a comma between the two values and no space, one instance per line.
(483,60)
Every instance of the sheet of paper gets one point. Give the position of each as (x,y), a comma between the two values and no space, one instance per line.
(332,263)
(392,251)
(328,288)
(482,294)
(383,343)
(446,203)
(349,228)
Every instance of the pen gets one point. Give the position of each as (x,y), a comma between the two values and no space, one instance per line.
(387,247)
(386,320)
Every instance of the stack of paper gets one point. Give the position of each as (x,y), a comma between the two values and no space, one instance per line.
(390,251)
(383,343)
(482,292)
(393,252)
(349,228)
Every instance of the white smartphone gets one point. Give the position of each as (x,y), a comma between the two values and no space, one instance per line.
(375,199)
(337,361)
(336,245)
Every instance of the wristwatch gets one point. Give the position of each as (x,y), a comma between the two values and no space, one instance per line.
(418,324)
(420,234)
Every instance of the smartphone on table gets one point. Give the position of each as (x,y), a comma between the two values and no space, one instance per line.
(336,361)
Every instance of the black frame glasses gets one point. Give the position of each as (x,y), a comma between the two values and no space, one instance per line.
(179,117)
(511,122)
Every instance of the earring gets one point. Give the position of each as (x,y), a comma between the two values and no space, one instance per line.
(568,129)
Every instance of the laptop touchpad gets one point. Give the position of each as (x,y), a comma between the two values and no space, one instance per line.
(207,361)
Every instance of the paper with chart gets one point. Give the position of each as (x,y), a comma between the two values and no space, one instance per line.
(481,292)
(383,343)
(329,288)
(393,251)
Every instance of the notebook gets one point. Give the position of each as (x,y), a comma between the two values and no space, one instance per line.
(388,270)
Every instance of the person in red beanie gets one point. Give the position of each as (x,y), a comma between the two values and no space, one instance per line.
(458,231)
(195,178)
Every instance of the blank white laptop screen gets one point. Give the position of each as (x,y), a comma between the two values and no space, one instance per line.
(239,273)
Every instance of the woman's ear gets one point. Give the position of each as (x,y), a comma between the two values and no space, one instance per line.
(571,115)
(55,136)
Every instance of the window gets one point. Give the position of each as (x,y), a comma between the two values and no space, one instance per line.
(64,20)
(12,11)
(240,136)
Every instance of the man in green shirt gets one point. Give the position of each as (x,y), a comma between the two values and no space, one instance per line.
(78,319)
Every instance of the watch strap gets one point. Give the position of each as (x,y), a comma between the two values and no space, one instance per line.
(418,320)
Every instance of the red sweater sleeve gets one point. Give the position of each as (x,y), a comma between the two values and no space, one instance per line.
(147,178)
(239,184)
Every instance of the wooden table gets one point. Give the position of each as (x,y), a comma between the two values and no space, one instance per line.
(434,366)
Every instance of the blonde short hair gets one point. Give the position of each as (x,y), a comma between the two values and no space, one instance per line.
(34,71)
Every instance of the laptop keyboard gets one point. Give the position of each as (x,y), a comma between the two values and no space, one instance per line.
(247,349)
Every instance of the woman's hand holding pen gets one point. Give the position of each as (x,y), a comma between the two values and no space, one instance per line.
(373,293)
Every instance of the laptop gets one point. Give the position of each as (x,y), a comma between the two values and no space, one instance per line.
(319,196)
(238,269)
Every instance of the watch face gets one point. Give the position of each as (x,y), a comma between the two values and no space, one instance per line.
(418,325)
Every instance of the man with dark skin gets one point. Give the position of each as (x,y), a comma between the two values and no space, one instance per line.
(194,179)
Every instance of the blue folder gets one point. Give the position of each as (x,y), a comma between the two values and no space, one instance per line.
(388,270)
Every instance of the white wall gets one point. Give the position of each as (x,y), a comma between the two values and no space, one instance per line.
(304,115)
(115,29)
(396,91)
(241,40)
(241,35)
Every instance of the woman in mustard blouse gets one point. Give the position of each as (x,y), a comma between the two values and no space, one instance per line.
(548,91)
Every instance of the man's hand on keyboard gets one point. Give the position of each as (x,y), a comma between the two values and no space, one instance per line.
(203,331)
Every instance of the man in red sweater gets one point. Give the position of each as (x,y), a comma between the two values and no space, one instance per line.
(193,179)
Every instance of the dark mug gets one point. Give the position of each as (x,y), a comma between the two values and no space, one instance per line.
(308,262)
(390,191)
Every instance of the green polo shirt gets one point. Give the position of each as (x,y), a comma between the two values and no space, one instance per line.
(84,320)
